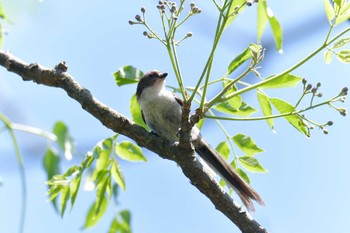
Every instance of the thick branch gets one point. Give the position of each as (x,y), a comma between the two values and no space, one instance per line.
(182,155)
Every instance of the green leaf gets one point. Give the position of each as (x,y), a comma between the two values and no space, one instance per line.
(74,187)
(2,12)
(340,43)
(114,227)
(265,107)
(344,14)
(244,175)
(127,75)
(244,110)
(92,217)
(239,60)
(64,140)
(276,29)
(135,111)
(129,151)
(223,149)
(51,163)
(65,193)
(246,144)
(54,191)
(102,151)
(231,11)
(295,120)
(286,80)
(344,56)
(327,57)
(235,102)
(125,214)
(262,19)
(117,174)
(329,11)
(101,192)
(251,164)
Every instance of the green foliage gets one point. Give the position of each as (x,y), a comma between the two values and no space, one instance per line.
(129,151)
(135,111)
(295,120)
(251,164)
(281,81)
(64,140)
(127,75)
(246,144)
(104,174)
(121,223)
(265,14)
(265,107)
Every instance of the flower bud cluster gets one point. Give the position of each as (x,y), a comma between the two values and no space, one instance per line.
(251,2)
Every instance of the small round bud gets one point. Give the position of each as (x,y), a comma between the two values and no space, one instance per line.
(138,18)
(173,9)
(143,9)
(192,4)
(308,87)
(329,123)
(175,18)
(189,34)
(249,2)
(319,94)
(314,90)
(318,85)
(325,131)
(344,91)
(145,33)
(304,81)
(342,111)
(131,22)
(160,2)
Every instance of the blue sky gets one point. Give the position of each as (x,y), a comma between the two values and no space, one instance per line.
(306,189)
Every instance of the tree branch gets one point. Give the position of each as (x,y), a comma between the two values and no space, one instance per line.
(182,155)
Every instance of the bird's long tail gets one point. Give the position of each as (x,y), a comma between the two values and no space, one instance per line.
(227,172)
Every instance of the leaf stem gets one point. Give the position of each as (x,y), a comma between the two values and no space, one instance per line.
(7,123)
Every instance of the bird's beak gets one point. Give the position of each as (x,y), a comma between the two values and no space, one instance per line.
(163,75)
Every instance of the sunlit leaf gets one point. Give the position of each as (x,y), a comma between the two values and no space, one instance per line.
(340,43)
(328,57)
(344,56)
(244,175)
(295,120)
(244,110)
(251,164)
(74,187)
(129,151)
(65,194)
(92,217)
(235,102)
(246,144)
(265,107)
(239,60)
(51,163)
(2,12)
(344,14)
(231,11)
(262,19)
(286,80)
(64,140)
(223,149)
(329,11)
(101,192)
(102,152)
(135,111)
(117,174)
(127,75)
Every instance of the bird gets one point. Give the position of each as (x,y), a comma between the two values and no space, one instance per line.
(161,111)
